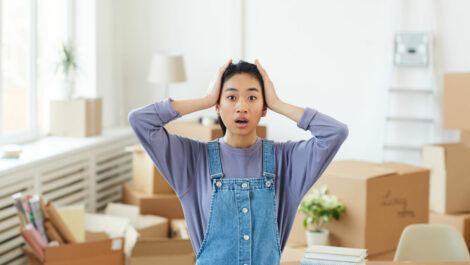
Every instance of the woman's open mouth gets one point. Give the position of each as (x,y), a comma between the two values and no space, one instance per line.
(241,122)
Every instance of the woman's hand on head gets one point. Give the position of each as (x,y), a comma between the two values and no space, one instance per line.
(213,91)
(270,95)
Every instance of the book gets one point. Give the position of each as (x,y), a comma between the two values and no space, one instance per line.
(20,210)
(336,250)
(305,261)
(330,253)
(38,216)
(34,240)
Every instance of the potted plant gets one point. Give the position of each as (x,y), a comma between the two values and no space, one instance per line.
(67,65)
(319,209)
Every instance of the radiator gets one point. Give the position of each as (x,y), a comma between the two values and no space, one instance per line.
(92,177)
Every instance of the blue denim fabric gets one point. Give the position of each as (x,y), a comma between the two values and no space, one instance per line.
(242,227)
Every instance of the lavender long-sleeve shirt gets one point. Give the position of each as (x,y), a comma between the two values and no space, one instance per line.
(184,163)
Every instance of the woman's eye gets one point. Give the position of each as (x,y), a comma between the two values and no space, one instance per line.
(231,97)
(252,97)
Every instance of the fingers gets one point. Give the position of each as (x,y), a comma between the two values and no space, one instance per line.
(224,67)
(260,68)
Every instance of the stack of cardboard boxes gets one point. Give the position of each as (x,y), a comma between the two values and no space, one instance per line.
(151,195)
(380,200)
(450,162)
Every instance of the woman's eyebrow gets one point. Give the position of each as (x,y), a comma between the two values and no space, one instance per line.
(234,89)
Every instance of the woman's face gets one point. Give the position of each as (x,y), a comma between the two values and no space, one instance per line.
(241,104)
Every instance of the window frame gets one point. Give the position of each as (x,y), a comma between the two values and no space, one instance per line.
(32,132)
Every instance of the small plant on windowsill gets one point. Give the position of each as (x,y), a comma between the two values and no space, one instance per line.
(67,65)
(319,209)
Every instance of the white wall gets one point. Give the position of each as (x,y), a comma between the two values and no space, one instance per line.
(328,55)
(202,30)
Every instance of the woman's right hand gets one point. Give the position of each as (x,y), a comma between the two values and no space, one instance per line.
(213,91)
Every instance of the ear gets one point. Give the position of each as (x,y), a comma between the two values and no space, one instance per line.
(265,110)
(217,110)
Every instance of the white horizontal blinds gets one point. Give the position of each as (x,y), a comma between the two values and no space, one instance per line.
(113,167)
(67,184)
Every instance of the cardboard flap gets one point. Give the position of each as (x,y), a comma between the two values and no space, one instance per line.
(73,217)
(145,221)
(162,247)
(123,210)
(113,226)
(132,212)
(358,169)
(402,169)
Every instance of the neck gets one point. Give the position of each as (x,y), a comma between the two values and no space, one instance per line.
(240,141)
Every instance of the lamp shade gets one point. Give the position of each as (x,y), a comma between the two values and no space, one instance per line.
(166,69)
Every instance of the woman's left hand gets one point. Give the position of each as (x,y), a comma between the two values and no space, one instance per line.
(270,94)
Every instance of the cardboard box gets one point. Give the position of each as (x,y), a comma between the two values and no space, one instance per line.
(171,251)
(148,226)
(465,137)
(456,110)
(195,130)
(461,222)
(450,176)
(380,200)
(94,252)
(146,176)
(165,205)
(163,251)
(79,117)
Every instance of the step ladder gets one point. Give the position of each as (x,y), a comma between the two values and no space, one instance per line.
(410,118)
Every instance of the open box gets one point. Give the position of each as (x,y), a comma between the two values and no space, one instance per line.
(108,251)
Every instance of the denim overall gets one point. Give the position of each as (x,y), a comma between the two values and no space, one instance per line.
(242,227)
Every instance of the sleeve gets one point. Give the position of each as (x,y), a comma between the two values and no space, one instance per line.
(304,161)
(175,156)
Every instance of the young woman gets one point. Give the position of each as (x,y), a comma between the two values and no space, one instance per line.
(239,192)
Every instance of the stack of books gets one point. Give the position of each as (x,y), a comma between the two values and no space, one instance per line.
(329,255)
(40,225)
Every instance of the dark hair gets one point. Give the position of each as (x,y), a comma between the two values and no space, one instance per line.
(242,67)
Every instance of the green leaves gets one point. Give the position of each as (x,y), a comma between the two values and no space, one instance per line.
(320,208)
(67,60)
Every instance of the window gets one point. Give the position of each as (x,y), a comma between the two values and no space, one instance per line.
(31,34)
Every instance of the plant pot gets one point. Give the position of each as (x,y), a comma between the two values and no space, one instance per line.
(317,237)
(66,89)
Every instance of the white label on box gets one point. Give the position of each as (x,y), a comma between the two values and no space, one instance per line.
(116,244)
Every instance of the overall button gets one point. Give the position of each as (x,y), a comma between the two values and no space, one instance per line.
(244,185)
(219,184)
(246,237)
(268,183)
(245,210)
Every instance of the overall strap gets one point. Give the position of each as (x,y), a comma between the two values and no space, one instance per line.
(269,162)
(215,167)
